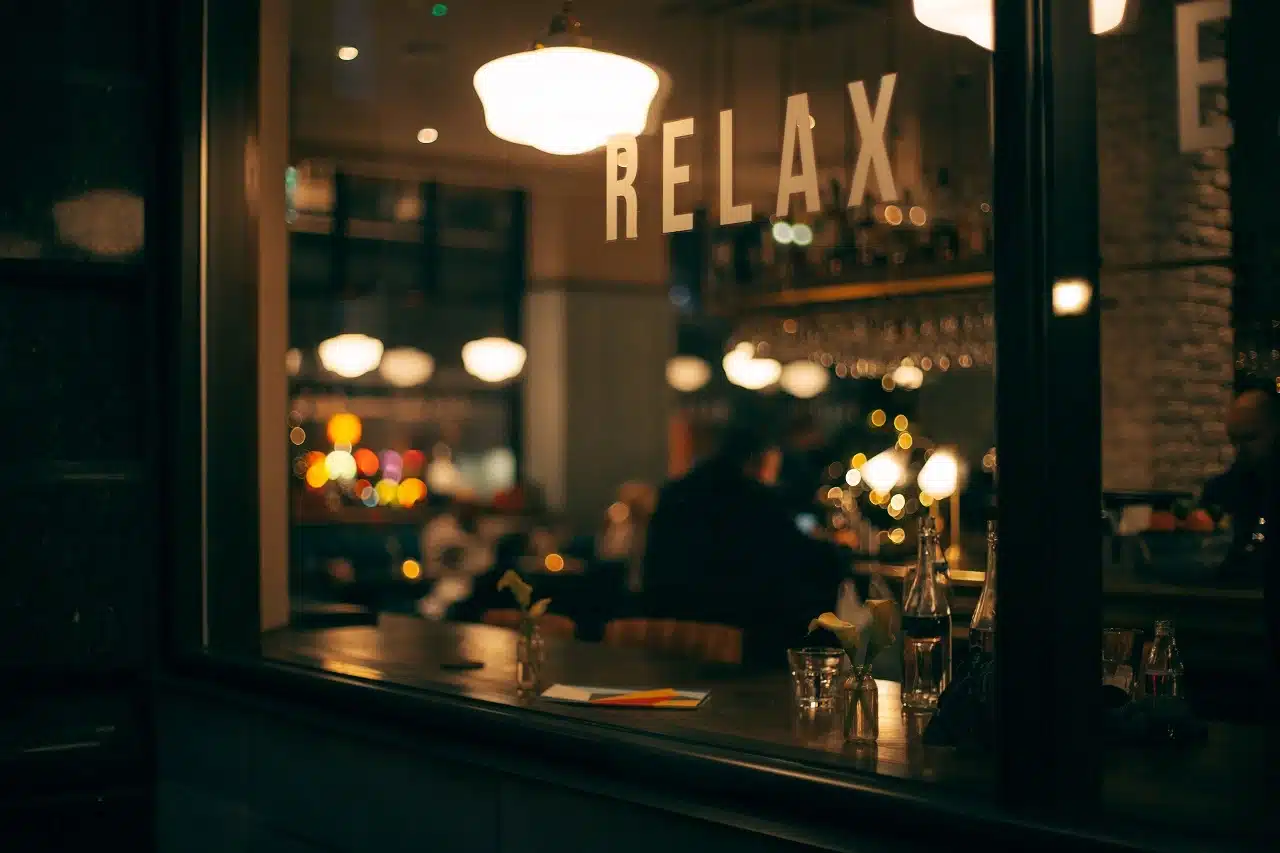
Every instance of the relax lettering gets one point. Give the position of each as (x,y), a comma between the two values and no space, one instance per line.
(797,142)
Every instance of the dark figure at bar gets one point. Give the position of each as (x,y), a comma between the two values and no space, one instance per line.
(1250,492)
(724,547)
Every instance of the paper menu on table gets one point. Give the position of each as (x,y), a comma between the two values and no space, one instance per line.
(667,698)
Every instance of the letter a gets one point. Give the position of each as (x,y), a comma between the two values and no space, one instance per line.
(796,128)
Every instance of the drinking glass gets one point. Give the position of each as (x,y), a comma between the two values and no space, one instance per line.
(814,674)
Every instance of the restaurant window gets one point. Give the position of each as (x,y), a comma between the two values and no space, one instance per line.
(1189,418)
(697,368)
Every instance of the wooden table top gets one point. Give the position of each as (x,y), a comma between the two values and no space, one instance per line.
(1203,786)
(745,712)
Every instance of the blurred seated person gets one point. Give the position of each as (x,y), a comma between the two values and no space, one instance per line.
(724,547)
(803,464)
(1245,490)
(621,540)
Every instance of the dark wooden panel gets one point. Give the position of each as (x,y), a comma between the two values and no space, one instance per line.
(79,579)
(76,376)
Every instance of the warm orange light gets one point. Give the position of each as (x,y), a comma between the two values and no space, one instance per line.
(344,428)
(315,457)
(411,491)
(366,461)
(554,562)
(387,491)
(317,475)
(411,569)
(878,418)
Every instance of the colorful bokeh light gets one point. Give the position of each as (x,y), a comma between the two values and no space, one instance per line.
(410,492)
(344,428)
(366,461)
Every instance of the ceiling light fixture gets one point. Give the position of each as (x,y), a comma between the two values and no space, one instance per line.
(493,359)
(350,355)
(975,19)
(428,135)
(347,53)
(562,96)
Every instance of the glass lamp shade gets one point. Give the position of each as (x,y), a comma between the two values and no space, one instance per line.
(565,100)
(804,379)
(883,471)
(687,373)
(746,371)
(940,476)
(493,359)
(975,19)
(908,376)
(350,355)
(406,367)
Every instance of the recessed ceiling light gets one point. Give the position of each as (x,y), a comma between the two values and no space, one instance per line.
(428,135)
(347,53)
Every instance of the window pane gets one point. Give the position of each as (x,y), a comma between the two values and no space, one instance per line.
(74,148)
(693,432)
(1189,419)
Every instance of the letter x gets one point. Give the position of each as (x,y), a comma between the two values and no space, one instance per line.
(873,150)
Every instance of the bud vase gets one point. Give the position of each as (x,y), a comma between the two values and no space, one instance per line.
(861,707)
(530,654)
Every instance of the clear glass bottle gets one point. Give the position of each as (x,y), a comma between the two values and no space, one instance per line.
(1162,671)
(862,707)
(982,627)
(530,654)
(926,628)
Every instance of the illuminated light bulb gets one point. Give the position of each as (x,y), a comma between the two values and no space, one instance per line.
(350,355)
(347,53)
(746,371)
(317,475)
(411,569)
(893,215)
(1071,297)
(344,428)
(801,234)
(859,459)
(900,423)
(975,19)
(406,367)
(554,563)
(565,99)
(493,359)
(687,373)
(443,477)
(877,419)
(917,216)
(940,476)
(897,536)
(428,135)
(853,477)
(341,465)
(386,491)
(410,491)
(804,379)
(884,471)
(908,376)
(366,461)
(783,233)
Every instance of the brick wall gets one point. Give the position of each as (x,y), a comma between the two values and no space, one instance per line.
(1166,332)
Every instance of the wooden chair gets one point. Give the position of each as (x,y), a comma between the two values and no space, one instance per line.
(700,641)
(551,624)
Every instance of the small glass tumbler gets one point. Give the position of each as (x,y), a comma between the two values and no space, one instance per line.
(815,673)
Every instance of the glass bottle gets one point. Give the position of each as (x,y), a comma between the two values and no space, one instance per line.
(530,654)
(926,628)
(1162,672)
(862,707)
(982,627)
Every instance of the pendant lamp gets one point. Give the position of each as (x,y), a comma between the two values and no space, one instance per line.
(975,19)
(745,370)
(353,353)
(562,96)
(493,359)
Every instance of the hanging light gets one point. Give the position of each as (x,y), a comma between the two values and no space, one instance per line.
(406,367)
(688,373)
(563,97)
(907,376)
(493,359)
(350,355)
(746,371)
(940,476)
(883,471)
(975,19)
(804,379)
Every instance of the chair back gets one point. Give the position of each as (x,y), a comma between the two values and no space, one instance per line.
(702,641)
(550,624)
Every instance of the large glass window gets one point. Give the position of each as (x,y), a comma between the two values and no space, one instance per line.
(1189,414)
(680,315)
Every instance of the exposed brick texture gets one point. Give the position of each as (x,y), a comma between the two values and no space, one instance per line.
(1166,333)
